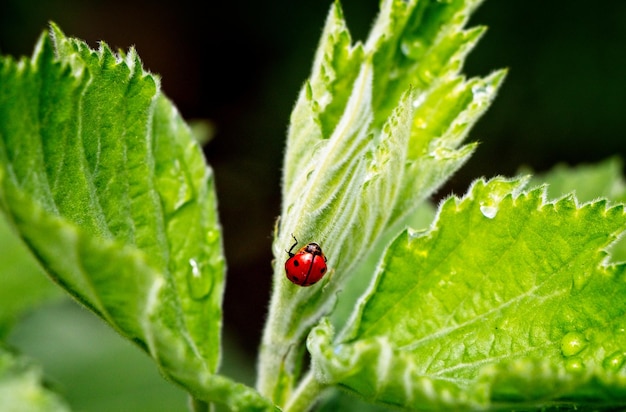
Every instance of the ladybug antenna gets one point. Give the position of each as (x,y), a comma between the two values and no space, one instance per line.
(292,246)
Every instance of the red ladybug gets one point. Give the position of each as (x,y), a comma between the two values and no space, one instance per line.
(307,266)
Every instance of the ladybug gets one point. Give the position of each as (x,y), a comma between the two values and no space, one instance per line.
(307,266)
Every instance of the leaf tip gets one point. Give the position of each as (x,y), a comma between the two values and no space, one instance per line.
(55,30)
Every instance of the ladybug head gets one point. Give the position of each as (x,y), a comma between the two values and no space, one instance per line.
(314,249)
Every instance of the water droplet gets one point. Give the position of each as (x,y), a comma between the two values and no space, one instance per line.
(195,269)
(414,233)
(573,343)
(419,100)
(426,76)
(574,365)
(413,49)
(614,361)
(178,186)
(212,236)
(199,283)
(442,153)
(489,211)
(482,91)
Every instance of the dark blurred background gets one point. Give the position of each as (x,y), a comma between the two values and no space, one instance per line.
(241,64)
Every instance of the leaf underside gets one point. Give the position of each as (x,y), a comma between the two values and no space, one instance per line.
(104,182)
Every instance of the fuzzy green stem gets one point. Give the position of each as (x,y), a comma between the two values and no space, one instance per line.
(276,367)
(305,395)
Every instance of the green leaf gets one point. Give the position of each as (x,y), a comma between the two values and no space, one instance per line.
(338,400)
(24,286)
(506,302)
(22,389)
(376,129)
(106,185)
(359,282)
(589,182)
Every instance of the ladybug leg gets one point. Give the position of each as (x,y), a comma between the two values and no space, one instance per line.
(292,246)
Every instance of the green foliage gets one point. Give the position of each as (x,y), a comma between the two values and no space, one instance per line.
(22,389)
(588,182)
(376,129)
(89,365)
(489,307)
(504,298)
(104,182)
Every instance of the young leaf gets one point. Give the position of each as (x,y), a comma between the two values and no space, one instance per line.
(506,302)
(105,183)
(22,389)
(376,129)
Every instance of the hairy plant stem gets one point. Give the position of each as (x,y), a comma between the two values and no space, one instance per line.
(305,395)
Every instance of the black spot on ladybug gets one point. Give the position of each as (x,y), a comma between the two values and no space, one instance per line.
(296,263)
(323,270)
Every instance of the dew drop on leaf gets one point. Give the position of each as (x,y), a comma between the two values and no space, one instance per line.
(443,153)
(413,49)
(573,343)
(482,90)
(574,365)
(614,361)
(199,284)
(177,183)
(212,237)
(426,76)
(489,211)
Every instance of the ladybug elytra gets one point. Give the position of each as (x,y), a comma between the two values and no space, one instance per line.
(307,266)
